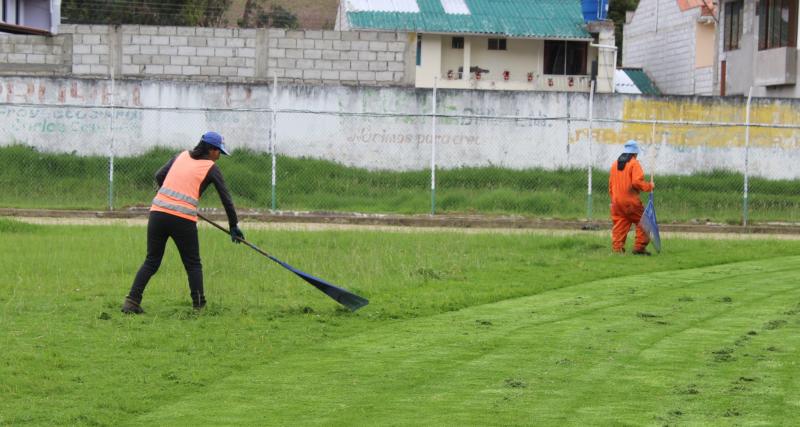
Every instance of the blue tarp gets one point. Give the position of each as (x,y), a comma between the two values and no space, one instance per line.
(650,224)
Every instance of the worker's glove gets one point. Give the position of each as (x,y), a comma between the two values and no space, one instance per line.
(236,234)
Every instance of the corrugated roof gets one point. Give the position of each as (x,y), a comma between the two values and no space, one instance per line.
(555,19)
(634,80)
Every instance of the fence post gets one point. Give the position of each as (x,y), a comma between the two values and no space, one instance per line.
(111,147)
(433,150)
(746,158)
(589,168)
(272,132)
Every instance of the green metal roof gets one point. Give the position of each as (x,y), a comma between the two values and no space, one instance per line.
(642,81)
(552,19)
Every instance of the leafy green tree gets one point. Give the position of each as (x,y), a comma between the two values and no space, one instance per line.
(206,13)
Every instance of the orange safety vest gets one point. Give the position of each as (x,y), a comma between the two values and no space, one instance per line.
(180,193)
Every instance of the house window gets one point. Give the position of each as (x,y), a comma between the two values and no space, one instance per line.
(419,49)
(458,43)
(497,44)
(733,24)
(777,23)
(565,57)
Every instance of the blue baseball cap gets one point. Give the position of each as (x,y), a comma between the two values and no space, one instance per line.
(631,147)
(214,139)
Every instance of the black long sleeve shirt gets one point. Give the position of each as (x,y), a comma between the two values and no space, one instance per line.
(214,176)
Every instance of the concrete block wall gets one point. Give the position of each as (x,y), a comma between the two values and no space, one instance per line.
(661,39)
(217,54)
(34,55)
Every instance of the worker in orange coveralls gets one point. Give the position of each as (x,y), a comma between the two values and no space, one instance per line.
(624,184)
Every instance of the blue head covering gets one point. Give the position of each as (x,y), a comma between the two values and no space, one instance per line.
(631,147)
(215,140)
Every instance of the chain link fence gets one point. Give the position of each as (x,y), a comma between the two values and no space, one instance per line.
(74,157)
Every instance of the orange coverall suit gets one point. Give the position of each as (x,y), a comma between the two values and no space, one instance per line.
(626,207)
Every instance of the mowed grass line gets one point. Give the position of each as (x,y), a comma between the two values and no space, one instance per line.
(70,358)
(693,346)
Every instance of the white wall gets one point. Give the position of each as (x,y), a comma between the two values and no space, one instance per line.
(45,113)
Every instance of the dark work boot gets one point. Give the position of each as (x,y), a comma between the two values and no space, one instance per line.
(131,307)
(198,304)
(641,252)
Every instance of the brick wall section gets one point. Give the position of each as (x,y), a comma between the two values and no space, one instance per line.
(215,54)
(35,55)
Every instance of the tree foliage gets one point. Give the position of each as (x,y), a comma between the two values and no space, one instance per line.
(192,13)
(255,16)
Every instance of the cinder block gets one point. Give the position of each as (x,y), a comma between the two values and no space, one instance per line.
(131,69)
(204,31)
(312,74)
(167,31)
(350,54)
(322,64)
(216,41)
(340,65)
(287,63)
(223,32)
(178,40)
(80,69)
(396,47)
(140,39)
(359,65)
(387,37)
(148,50)
(277,53)
(386,76)
(331,35)
(395,66)
(217,61)
(305,64)
(277,72)
(250,43)
(359,45)
(196,41)
(377,66)
(186,31)
(17,58)
(198,60)
(368,36)
(66,28)
(90,39)
(341,45)
(126,59)
(348,75)
(148,30)
(191,70)
(35,58)
(276,33)
(294,53)
(234,42)
(4,58)
(367,56)
(141,59)
(23,48)
(247,33)
(223,51)
(179,60)
(272,63)
(167,50)
(153,69)
(377,46)
(366,75)
(205,51)
(400,56)
(246,72)
(52,59)
(90,59)
(187,51)
(313,34)
(250,62)
(209,71)
(172,69)
(323,44)
(294,74)
(100,49)
(294,34)
(398,76)
(330,54)
(349,35)
(287,43)
(160,59)
(159,40)
(42,49)
(83,29)
(246,52)
(312,54)
(130,49)
(98,69)
(330,75)
(236,62)
(385,56)
(228,71)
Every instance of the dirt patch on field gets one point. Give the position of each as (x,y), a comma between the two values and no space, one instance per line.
(305,221)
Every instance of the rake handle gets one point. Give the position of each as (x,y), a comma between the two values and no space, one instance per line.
(252,246)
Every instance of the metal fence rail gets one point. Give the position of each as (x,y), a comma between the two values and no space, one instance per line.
(78,157)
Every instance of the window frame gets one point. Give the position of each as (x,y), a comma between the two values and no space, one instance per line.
(773,32)
(570,49)
(499,44)
(733,25)
(457,43)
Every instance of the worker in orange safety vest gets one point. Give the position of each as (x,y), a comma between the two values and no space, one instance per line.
(173,214)
(625,182)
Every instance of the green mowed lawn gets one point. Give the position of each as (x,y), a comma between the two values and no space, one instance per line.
(462,329)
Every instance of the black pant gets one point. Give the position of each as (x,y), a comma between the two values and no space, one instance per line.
(160,227)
